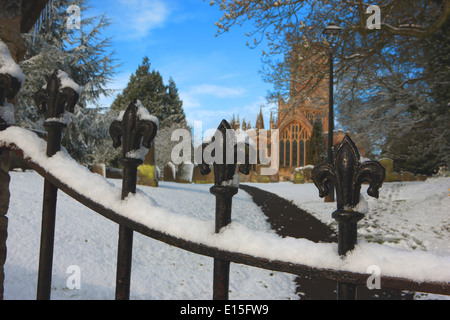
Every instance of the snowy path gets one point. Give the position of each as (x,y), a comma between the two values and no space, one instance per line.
(408,215)
(291,221)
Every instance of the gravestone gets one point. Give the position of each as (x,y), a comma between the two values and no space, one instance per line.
(244,178)
(421,177)
(408,176)
(396,177)
(388,165)
(197,177)
(275,178)
(261,178)
(307,172)
(170,172)
(99,168)
(113,173)
(185,172)
(298,177)
(147,172)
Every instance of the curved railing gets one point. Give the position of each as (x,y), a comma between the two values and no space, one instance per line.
(218,252)
(136,212)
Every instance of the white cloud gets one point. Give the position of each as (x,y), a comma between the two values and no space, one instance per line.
(142,16)
(189,100)
(215,91)
(193,96)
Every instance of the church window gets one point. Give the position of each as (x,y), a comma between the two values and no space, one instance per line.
(302,153)
(288,154)
(294,153)
(293,145)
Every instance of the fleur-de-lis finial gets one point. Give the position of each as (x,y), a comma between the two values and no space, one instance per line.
(57,97)
(9,87)
(348,173)
(137,128)
(11,78)
(225,168)
(225,187)
(135,131)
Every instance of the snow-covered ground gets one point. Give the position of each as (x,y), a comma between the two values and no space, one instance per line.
(85,239)
(409,215)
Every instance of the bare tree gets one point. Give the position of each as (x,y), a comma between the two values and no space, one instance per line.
(384,76)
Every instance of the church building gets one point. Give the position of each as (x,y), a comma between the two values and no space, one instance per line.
(295,120)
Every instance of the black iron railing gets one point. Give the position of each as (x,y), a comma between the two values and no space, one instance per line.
(132,133)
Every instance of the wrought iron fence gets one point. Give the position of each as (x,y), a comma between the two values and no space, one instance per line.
(134,131)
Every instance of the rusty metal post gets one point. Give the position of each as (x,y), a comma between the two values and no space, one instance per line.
(54,130)
(125,242)
(221,277)
(133,132)
(348,173)
(53,101)
(224,189)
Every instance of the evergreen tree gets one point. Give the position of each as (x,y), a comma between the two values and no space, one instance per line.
(81,53)
(87,137)
(316,151)
(161,100)
(173,106)
(147,85)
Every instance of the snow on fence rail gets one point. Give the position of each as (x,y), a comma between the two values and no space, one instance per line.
(413,270)
(224,240)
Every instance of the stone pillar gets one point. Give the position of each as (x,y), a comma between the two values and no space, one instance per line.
(16,16)
(10,29)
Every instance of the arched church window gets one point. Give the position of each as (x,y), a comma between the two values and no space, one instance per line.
(293,145)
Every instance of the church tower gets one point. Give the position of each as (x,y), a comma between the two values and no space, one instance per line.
(260,120)
(308,101)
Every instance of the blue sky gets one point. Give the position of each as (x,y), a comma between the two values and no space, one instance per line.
(216,76)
